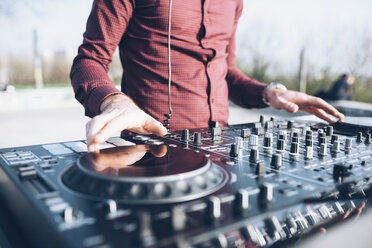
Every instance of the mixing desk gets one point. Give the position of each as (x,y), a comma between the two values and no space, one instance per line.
(259,184)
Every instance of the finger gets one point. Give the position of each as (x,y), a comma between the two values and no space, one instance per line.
(93,127)
(97,123)
(320,103)
(113,126)
(320,113)
(138,122)
(93,148)
(158,151)
(282,103)
(155,127)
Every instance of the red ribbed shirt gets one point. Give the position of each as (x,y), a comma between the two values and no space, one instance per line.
(204,73)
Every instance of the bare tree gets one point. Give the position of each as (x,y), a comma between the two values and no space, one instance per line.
(360,54)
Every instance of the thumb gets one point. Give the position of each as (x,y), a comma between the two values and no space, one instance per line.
(155,127)
(282,103)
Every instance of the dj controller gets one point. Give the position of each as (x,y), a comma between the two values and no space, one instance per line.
(259,184)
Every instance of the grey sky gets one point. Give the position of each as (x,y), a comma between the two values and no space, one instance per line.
(277,30)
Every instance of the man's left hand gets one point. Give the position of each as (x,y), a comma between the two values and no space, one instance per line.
(293,101)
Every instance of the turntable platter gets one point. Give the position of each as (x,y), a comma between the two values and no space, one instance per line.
(357,120)
(145,174)
(354,124)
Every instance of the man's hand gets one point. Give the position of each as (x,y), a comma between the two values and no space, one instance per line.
(119,112)
(293,101)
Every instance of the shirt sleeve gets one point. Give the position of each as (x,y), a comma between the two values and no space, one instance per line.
(106,25)
(243,90)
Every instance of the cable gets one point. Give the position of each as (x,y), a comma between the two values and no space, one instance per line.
(168,116)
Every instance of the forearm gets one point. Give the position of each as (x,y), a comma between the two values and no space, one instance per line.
(243,90)
(106,26)
(91,84)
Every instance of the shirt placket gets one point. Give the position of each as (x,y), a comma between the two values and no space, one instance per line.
(209,64)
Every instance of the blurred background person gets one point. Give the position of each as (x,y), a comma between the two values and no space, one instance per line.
(340,89)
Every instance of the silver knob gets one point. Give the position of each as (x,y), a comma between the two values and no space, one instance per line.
(309,152)
(253,140)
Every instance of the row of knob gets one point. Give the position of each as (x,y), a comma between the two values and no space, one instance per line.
(213,210)
(294,149)
(271,228)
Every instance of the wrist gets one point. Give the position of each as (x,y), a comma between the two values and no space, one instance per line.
(273,87)
(108,100)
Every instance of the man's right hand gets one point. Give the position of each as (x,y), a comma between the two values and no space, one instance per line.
(119,112)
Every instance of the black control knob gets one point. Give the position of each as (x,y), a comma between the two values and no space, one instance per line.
(348,144)
(214,124)
(245,132)
(241,202)
(254,235)
(309,152)
(282,136)
(234,150)
(268,141)
(220,241)
(216,131)
(323,150)
(321,136)
(334,138)
(266,193)
(295,134)
(254,155)
(261,169)
(294,139)
(336,146)
(69,214)
(291,224)
(239,142)
(368,139)
(197,139)
(185,135)
(274,226)
(276,161)
(320,131)
(280,145)
(262,120)
(289,124)
(321,140)
(253,140)
(111,206)
(309,142)
(213,210)
(294,148)
(179,218)
(329,130)
(359,137)
(269,125)
(145,233)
